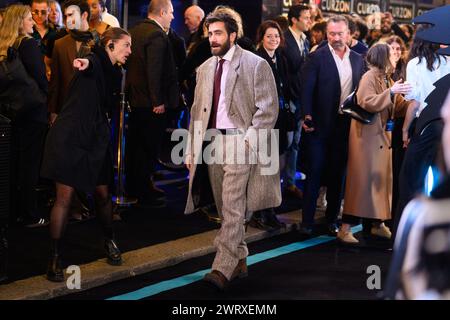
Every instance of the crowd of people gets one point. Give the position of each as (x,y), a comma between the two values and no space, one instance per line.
(294,77)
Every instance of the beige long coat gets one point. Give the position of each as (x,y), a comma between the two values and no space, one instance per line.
(368,190)
(252,103)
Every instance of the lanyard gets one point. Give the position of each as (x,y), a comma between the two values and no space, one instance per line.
(390,110)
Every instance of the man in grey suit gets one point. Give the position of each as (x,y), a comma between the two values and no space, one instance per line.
(235,97)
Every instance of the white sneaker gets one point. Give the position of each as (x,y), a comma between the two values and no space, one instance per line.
(347,237)
(300,176)
(382,231)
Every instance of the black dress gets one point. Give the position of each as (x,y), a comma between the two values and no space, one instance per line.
(78,150)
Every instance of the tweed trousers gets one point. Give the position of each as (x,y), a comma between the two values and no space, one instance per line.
(229,184)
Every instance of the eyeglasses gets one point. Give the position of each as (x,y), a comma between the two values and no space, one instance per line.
(39,12)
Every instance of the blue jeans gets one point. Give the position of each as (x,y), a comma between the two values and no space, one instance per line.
(293,147)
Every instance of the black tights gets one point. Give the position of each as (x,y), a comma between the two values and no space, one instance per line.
(60,211)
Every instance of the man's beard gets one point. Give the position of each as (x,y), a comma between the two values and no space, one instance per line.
(223,49)
(385,30)
(337,44)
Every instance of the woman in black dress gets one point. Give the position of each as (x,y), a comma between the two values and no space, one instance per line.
(78,152)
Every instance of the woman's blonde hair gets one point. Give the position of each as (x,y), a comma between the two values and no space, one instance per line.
(60,22)
(12,26)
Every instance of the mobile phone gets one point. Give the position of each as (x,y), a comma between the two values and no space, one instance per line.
(309,123)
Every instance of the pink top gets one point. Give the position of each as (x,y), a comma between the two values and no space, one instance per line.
(222,120)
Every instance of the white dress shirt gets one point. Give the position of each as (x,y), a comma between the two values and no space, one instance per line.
(300,39)
(222,119)
(345,72)
(422,79)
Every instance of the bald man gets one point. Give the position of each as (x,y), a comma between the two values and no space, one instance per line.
(193,17)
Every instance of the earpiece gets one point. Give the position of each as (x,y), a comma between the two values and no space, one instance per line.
(111,46)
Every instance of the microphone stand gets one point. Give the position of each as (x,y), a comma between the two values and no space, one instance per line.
(120,199)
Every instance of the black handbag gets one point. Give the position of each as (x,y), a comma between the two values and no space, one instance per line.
(351,108)
(19,92)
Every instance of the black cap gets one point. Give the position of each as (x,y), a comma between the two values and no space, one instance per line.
(439,32)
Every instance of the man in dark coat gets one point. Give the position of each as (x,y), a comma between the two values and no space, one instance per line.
(152,90)
(330,74)
(296,49)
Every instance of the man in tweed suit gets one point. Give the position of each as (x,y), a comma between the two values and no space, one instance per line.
(236,95)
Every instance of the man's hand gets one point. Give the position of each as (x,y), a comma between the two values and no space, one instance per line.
(52,118)
(81,64)
(308,124)
(159,109)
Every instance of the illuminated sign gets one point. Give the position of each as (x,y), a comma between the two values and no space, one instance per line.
(366,7)
(402,11)
(336,6)
(422,9)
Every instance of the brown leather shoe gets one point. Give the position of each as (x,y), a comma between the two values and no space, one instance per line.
(217,279)
(241,270)
(293,191)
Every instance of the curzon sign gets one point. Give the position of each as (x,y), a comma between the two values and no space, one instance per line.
(366,7)
(402,11)
(336,6)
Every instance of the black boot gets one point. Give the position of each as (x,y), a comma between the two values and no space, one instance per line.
(272,220)
(114,257)
(112,250)
(3,255)
(55,270)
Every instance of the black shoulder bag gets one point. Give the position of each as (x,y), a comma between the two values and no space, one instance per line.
(19,92)
(351,108)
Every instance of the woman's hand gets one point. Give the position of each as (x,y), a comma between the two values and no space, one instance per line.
(409,118)
(188,162)
(405,138)
(81,64)
(401,88)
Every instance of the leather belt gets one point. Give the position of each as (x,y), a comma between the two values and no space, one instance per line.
(231,131)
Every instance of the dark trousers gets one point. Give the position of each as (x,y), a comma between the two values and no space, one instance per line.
(420,155)
(326,156)
(398,154)
(27,147)
(144,140)
(354,220)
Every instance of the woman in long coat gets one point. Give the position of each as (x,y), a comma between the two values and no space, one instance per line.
(368,190)
(77,152)
(269,38)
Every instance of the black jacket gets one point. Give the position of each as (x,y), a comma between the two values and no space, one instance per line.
(33,62)
(79,140)
(285,118)
(280,72)
(152,74)
(178,49)
(295,60)
(321,90)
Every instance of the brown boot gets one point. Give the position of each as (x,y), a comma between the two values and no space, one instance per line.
(241,270)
